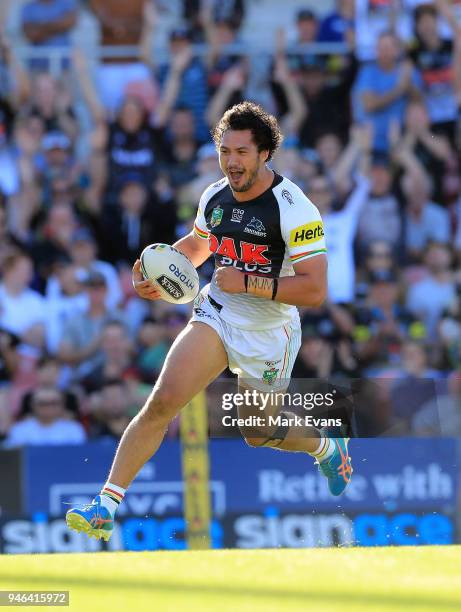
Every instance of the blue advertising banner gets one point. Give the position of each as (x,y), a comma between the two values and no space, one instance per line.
(389,475)
(403,491)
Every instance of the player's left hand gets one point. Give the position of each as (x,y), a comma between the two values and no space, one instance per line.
(229,279)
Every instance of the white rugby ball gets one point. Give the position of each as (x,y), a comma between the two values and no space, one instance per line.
(171,271)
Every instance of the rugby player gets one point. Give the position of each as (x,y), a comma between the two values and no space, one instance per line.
(267,240)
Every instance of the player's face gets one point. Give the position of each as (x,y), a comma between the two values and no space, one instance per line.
(240,159)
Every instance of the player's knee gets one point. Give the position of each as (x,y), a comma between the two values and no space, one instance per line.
(161,406)
(255,442)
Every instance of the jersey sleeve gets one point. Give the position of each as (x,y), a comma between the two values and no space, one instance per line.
(200,229)
(302,230)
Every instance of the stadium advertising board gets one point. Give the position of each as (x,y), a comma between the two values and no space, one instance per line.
(402,492)
(10,479)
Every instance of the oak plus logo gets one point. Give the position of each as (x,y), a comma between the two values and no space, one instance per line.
(255,227)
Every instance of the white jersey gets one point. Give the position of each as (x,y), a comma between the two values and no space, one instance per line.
(265,237)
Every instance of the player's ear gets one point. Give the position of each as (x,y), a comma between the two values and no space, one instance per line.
(265,155)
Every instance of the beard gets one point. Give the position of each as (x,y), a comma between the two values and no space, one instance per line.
(248,184)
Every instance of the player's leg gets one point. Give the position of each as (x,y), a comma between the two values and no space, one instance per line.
(266,359)
(196,357)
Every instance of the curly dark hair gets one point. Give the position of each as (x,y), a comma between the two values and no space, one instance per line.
(249,116)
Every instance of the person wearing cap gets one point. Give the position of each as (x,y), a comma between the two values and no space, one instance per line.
(307,26)
(183,80)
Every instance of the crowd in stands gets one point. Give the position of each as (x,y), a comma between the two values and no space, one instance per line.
(94,165)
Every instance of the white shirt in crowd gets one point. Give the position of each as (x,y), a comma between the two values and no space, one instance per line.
(20,312)
(340,230)
(32,432)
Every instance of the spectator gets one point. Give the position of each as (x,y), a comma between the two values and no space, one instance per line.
(432,150)
(179,149)
(328,147)
(21,308)
(53,237)
(153,348)
(110,416)
(48,23)
(48,423)
(440,415)
(232,11)
(439,61)
(386,322)
(183,80)
(414,386)
(121,24)
(325,353)
(65,296)
(208,171)
(321,95)
(424,221)
(127,145)
(307,26)
(116,356)
(449,334)
(51,101)
(428,297)
(338,26)
(340,229)
(83,253)
(134,223)
(383,89)
(48,376)
(380,218)
(9,244)
(221,37)
(9,357)
(379,259)
(80,346)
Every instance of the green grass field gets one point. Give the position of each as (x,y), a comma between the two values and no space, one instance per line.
(426,578)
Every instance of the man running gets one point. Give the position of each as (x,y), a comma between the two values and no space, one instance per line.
(270,256)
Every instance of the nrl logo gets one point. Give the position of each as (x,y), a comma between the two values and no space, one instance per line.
(216,216)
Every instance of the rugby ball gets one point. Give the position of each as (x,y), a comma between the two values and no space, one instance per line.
(171,271)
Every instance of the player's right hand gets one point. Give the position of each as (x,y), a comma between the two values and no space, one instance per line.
(144,288)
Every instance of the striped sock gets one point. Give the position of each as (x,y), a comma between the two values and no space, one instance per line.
(111,496)
(325,450)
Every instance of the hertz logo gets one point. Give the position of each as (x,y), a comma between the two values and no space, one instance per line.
(305,234)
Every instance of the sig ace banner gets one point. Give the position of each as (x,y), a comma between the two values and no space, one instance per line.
(403,492)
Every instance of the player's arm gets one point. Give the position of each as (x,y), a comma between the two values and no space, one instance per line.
(194,247)
(308,287)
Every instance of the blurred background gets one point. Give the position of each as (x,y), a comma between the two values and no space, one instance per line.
(106,108)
